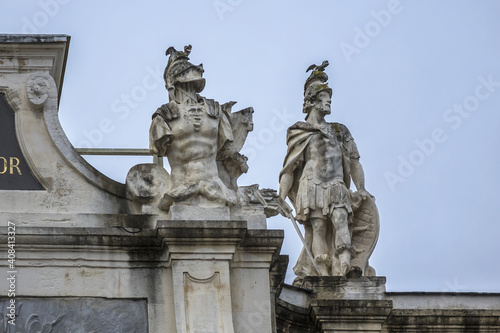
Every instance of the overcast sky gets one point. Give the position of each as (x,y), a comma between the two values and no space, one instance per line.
(416,82)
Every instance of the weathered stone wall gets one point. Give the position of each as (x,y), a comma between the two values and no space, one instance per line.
(338,305)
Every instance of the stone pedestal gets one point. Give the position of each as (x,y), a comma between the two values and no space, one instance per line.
(200,252)
(342,305)
(220,275)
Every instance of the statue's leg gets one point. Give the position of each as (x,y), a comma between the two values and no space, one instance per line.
(304,266)
(342,239)
(319,246)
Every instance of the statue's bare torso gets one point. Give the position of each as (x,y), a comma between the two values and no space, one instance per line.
(323,157)
(192,151)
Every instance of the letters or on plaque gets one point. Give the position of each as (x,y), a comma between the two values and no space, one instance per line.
(14,171)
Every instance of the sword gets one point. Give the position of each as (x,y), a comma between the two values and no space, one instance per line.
(286,211)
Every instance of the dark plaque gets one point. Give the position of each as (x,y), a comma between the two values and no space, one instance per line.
(14,172)
(74,314)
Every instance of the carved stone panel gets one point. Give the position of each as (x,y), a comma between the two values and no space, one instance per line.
(203,292)
(202,296)
(75,315)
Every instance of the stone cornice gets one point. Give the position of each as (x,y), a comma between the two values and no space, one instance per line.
(24,53)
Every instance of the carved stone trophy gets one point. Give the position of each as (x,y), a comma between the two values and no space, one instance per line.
(201,140)
(341,226)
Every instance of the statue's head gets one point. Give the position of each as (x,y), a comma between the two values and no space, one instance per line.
(315,84)
(181,73)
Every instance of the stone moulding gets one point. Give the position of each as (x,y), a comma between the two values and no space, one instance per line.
(145,247)
(30,53)
(445,321)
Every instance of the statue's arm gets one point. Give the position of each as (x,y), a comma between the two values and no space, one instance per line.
(297,141)
(286,182)
(160,136)
(358,177)
(357,173)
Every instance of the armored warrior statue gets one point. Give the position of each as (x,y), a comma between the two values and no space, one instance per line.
(200,138)
(341,226)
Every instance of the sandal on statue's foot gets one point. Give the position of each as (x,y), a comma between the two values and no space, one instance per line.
(298,282)
(344,268)
(323,263)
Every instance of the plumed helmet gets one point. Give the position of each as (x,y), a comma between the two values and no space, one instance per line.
(180,70)
(315,83)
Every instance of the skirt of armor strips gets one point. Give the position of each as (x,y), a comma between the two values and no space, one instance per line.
(316,194)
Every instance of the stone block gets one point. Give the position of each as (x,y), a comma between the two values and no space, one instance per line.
(342,316)
(339,287)
(193,213)
(254,215)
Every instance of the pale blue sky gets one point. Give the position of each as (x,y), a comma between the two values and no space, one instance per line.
(399,69)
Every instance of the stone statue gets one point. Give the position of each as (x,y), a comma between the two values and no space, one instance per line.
(341,226)
(200,138)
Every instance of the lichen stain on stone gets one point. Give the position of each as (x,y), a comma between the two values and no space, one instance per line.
(22,62)
(119,284)
(67,279)
(84,273)
(188,289)
(64,188)
(63,192)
